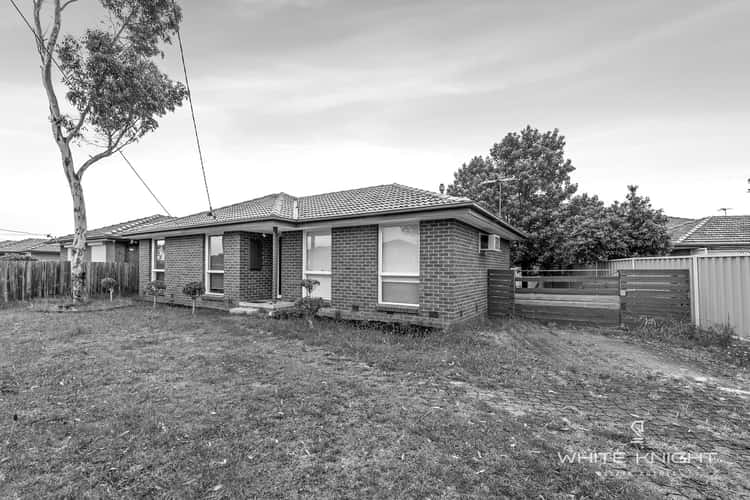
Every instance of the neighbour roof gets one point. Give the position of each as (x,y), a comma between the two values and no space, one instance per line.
(731,230)
(29,245)
(384,199)
(118,230)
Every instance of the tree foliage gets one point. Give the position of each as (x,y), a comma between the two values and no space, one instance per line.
(115,89)
(565,228)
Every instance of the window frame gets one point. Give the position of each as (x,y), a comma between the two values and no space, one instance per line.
(154,270)
(207,264)
(307,272)
(398,277)
(92,246)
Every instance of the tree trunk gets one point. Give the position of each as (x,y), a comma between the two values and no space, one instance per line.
(193,313)
(47,46)
(111,292)
(77,271)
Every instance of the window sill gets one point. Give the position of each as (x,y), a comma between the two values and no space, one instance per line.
(397,309)
(215,297)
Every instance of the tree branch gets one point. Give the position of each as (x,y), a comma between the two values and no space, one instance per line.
(62,8)
(81,120)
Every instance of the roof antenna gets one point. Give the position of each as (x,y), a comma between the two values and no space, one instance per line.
(724,210)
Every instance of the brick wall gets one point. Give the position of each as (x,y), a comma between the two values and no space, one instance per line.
(291,265)
(144,264)
(453,275)
(240,282)
(470,279)
(354,268)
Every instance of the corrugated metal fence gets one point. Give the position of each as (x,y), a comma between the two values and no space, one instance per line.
(720,286)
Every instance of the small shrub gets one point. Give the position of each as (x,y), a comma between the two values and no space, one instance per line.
(109,285)
(155,288)
(194,290)
(308,306)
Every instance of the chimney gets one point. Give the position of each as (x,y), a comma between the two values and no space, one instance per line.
(442,188)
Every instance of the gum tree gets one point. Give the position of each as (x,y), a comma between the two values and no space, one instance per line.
(113,88)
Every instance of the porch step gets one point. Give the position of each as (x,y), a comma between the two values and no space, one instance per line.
(246,310)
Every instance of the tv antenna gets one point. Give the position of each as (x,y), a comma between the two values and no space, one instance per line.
(723,209)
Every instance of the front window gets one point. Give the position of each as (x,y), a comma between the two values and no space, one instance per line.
(399,265)
(215,264)
(158,259)
(317,261)
(98,253)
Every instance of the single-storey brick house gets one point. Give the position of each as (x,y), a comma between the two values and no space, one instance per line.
(108,243)
(36,248)
(382,253)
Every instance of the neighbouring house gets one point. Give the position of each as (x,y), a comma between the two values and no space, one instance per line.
(108,244)
(39,249)
(710,235)
(382,253)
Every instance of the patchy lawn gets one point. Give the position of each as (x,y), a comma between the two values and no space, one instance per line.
(134,402)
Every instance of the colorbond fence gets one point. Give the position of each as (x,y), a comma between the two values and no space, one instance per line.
(30,280)
(720,286)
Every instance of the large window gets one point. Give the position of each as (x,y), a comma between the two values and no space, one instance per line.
(158,258)
(317,261)
(399,265)
(215,264)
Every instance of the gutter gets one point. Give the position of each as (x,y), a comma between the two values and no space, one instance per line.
(297,222)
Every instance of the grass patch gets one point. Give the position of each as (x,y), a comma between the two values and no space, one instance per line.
(142,403)
(722,340)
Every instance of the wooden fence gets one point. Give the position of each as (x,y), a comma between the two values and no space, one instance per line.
(655,293)
(583,298)
(22,280)
(500,292)
(590,297)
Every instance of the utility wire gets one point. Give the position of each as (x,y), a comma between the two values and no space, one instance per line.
(41,42)
(144,183)
(2,230)
(192,110)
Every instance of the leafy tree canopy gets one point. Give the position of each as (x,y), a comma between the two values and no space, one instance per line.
(565,228)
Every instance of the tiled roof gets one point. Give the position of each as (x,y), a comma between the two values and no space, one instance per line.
(29,245)
(731,230)
(677,227)
(118,230)
(373,200)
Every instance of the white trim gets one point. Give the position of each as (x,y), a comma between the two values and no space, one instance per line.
(307,272)
(208,272)
(394,277)
(154,270)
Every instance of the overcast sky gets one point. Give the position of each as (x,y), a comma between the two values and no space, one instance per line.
(309,96)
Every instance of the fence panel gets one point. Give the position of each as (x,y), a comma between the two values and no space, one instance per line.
(500,287)
(29,280)
(577,298)
(724,298)
(655,293)
(720,285)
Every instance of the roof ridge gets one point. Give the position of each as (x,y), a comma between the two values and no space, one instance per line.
(347,190)
(699,225)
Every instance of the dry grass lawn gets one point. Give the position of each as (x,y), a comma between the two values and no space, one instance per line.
(136,403)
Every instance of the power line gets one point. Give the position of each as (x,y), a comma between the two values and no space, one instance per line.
(2,230)
(144,183)
(41,42)
(192,110)
(66,78)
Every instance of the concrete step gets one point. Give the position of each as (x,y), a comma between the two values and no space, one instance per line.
(246,310)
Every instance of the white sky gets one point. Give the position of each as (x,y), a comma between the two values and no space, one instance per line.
(308,96)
